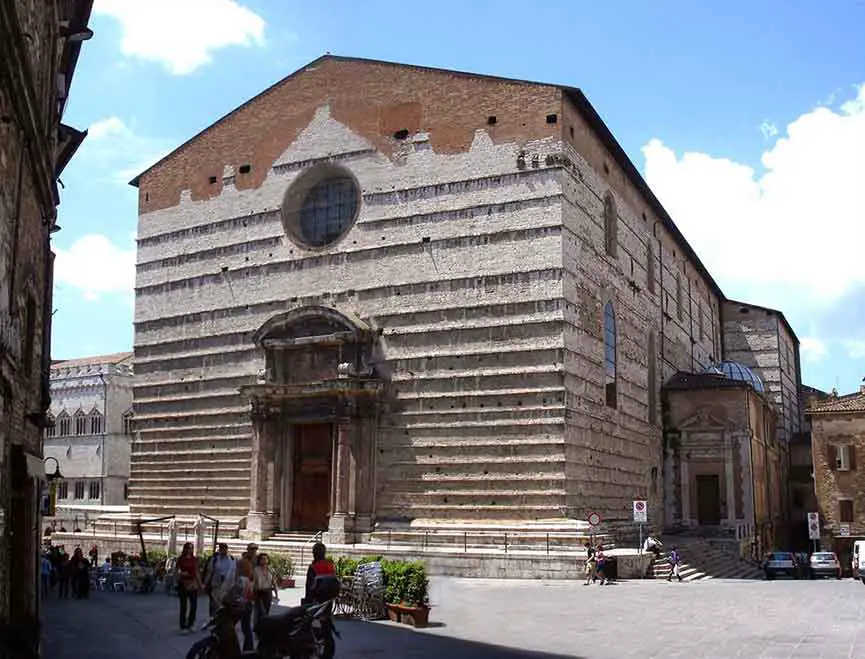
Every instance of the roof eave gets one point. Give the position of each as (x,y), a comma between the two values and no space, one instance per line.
(591,115)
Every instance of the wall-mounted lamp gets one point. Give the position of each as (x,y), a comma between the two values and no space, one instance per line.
(76,35)
(56,476)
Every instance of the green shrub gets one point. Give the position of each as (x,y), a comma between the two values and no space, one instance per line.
(405,582)
(282,565)
(156,556)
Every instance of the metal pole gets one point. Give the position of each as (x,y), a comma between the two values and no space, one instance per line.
(548,543)
(506,543)
(640,549)
(465,542)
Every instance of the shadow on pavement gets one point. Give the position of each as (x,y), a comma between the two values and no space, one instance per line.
(385,639)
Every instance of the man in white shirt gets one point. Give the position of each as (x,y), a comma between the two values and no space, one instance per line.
(218,576)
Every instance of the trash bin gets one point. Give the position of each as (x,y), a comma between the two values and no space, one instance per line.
(611,568)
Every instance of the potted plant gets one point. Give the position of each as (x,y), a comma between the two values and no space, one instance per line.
(394,587)
(414,605)
(282,567)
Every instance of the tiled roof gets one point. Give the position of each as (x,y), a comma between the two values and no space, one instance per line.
(684,381)
(849,404)
(114,358)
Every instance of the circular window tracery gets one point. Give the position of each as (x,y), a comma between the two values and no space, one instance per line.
(321,206)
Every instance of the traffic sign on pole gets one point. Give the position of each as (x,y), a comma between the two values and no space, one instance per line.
(641,512)
(813,526)
(594,519)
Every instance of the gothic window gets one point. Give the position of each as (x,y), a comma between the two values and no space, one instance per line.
(64,425)
(95,423)
(95,487)
(50,426)
(79,490)
(652,378)
(610,355)
(80,423)
(127,423)
(650,266)
(63,490)
(610,225)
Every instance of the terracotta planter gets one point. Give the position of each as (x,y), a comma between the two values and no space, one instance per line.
(393,612)
(286,582)
(416,616)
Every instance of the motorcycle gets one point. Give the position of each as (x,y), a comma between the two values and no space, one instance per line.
(300,632)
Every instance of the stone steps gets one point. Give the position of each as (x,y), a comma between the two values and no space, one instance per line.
(705,560)
(474,511)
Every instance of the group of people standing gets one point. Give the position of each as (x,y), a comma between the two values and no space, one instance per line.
(71,574)
(248,579)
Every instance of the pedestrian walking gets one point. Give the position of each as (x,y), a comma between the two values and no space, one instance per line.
(675,565)
(218,576)
(246,582)
(601,565)
(265,588)
(80,574)
(64,576)
(591,564)
(188,586)
(46,575)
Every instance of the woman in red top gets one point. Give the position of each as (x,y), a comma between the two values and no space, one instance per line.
(188,586)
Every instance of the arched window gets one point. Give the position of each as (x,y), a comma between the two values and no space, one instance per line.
(128,427)
(95,419)
(64,424)
(50,425)
(611,222)
(652,354)
(80,423)
(610,354)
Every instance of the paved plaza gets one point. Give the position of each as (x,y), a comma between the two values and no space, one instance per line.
(522,619)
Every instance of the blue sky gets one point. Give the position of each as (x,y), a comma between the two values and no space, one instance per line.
(747,119)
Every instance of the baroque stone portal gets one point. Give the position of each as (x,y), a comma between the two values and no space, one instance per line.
(315,419)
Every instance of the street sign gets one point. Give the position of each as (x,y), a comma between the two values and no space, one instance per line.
(844,531)
(813,526)
(594,519)
(641,512)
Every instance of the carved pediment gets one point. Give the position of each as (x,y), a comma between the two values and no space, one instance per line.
(705,419)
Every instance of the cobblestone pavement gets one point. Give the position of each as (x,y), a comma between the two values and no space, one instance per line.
(523,619)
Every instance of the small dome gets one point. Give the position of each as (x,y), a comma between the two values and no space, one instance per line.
(736,371)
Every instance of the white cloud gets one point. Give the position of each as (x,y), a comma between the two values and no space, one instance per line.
(768,129)
(108,127)
(798,227)
(95,267)
(119,151)
(812,349)
(181,35)
(855,348)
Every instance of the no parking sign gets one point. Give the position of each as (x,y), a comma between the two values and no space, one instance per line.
(641,512)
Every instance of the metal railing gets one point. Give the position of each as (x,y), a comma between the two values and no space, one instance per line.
(547,542)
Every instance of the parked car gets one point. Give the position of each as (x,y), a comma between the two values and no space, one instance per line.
(780,563)
(824,564)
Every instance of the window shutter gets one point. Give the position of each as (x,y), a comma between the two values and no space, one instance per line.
(832,456)
(851,453)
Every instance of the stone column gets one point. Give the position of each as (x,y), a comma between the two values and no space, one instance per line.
(685,483)
(729,472)
(261,522)
(364,474)
(341,526)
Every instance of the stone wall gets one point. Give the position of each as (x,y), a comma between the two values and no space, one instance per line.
(29,67)
(455,260)
(833,484)
(666,320)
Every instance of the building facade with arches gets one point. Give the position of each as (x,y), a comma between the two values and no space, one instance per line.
(89,434)
(381,296)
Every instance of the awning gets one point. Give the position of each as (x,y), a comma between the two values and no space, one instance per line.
(35,466)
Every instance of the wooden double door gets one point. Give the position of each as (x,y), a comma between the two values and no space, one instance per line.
(312,467)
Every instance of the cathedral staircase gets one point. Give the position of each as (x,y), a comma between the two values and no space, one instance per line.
(703,559)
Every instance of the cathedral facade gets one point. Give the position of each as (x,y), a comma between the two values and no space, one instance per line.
(385,296)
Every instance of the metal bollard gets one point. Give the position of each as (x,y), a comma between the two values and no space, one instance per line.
(465,542)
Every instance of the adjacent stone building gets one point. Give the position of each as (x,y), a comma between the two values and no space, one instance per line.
(39,46)
(89,436)
(385,296)
(837,446)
